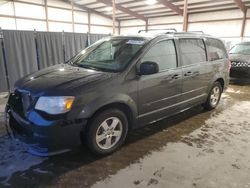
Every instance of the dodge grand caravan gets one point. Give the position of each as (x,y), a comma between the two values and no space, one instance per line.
(117,84)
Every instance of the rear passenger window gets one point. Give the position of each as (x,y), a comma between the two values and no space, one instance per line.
(192,51)
(162,53)
(215,49)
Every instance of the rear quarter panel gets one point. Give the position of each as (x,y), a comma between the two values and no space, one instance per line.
(220,71)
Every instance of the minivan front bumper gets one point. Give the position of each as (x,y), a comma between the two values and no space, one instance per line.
(52,137)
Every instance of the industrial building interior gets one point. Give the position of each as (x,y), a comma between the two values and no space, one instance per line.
(192,148)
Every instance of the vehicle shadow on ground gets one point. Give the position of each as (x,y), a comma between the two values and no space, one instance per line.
(81,168)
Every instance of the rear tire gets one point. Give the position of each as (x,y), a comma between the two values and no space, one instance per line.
(213,97)
(107,131)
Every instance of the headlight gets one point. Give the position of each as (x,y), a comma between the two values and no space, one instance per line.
(55,105)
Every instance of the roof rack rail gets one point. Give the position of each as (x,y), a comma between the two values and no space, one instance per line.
(191,32)
(201,32)
(169,29)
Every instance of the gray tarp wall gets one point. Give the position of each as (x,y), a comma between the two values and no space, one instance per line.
(29,51)
(96,37)
(20,52)
(72,44)
(50,49)
(3,79)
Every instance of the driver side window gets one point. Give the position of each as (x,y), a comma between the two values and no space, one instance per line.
(162,53)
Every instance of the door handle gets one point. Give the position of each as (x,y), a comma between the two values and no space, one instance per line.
(193,74)
(170,78)
(176,76)
(189,73)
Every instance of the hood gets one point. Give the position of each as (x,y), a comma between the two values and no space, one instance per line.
(62,78)
(239,57)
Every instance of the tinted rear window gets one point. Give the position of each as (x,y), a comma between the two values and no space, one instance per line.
(215,49)
(192,51)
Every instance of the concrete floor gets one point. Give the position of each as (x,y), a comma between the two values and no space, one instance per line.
(193,149)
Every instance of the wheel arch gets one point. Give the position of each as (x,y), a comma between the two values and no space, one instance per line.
(216,79)
(222,82)
(120,101)
(120,106)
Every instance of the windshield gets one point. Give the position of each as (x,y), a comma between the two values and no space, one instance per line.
(241,49)
(110,54)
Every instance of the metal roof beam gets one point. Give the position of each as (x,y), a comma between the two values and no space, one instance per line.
(241,5)
(123,9)
(185,16)
(243,8)
(171,6)
(88,9)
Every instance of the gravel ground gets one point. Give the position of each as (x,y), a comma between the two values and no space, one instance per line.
(193,149)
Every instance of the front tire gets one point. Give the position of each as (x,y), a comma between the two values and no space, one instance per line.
(214,96)
(107,131)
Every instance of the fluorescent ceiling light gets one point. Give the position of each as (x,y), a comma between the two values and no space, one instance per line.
(108,9)
(151,2)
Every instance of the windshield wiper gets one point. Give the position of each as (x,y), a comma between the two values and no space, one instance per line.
(87,67)
(96,68)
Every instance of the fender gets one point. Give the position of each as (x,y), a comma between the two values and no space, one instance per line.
(216,77)
(220,72)
(90,108)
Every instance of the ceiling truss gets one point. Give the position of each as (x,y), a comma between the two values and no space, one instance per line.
(131,9)
(241,5)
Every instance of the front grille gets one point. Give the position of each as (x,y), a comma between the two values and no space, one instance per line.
(240,64)
(20,102)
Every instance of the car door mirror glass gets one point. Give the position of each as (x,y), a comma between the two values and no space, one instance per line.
(148,67)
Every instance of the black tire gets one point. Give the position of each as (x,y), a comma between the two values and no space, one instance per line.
(95,128)
(210,105)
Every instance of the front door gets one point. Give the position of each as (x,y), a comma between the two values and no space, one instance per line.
(160,93)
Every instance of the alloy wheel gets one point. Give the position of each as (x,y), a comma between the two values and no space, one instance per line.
(109,133)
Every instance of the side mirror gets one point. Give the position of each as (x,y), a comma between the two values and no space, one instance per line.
(148,67)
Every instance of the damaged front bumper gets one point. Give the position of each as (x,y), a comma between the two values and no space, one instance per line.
(42,136)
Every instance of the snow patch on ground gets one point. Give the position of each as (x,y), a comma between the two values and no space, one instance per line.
(3,95)
(2,107)
(3,100)
(231,90)
(204,158)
